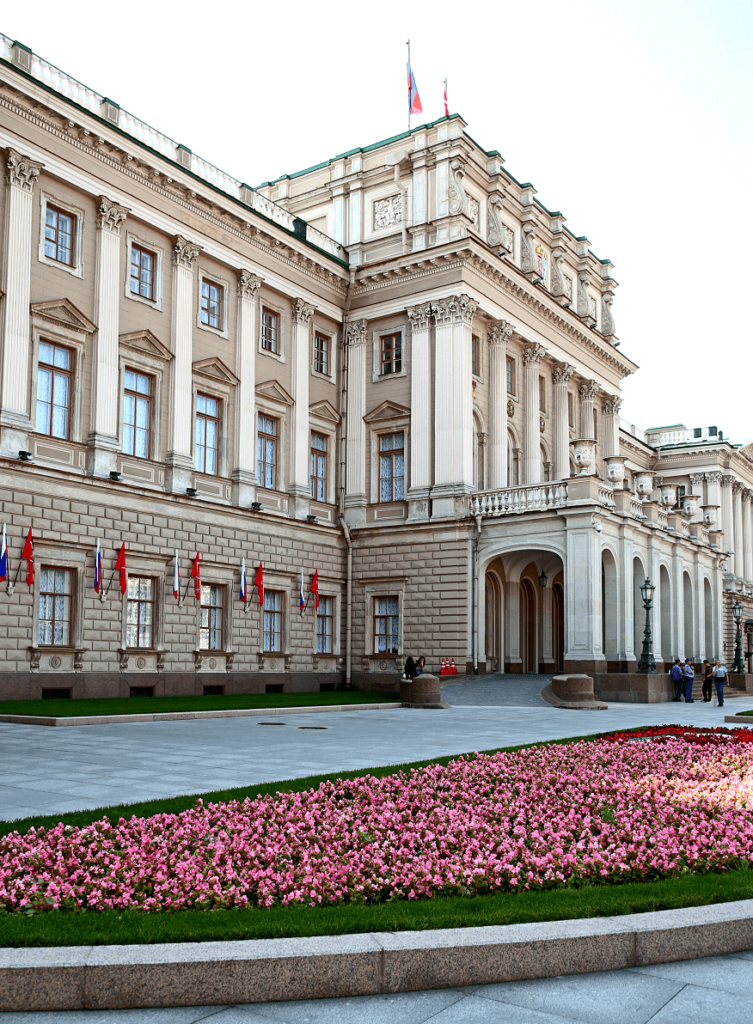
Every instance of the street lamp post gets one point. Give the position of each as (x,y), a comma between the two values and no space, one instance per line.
(737,612)
(647,662)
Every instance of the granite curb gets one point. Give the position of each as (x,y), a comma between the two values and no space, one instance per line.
(320,967)
(740,719)
(179,716)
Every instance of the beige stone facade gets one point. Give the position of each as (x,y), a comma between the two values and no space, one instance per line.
(396,369)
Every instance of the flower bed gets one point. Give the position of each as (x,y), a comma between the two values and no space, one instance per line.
(607,810)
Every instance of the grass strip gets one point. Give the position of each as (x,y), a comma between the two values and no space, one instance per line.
(65,928)
(56,708)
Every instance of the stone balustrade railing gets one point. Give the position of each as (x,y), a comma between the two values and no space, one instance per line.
(96,103)
(514,500)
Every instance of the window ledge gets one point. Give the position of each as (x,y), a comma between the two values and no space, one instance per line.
(213,661)
(270,660)
(54,651)
(145,659)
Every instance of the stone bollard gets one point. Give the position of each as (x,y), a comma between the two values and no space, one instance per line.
(576,691)
(422,692)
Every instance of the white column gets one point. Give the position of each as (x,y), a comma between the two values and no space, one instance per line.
(583,650)
(103,438)
(678,606)
(453,405)
(355,450)
(244,470)
(737,525)
(179,462)
(420,412)
(610,426)
(532,356)
(699,610)
(728,522)
(15,352)
(499,334)
(626,626)
(747,497)
(561,374)
(300,446)
(587,393)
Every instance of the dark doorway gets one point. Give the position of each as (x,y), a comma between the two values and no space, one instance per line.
(558,626)
(528,626)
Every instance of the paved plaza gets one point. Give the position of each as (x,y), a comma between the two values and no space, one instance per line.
(47,770)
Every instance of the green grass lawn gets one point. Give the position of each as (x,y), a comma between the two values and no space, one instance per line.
(155,705)
(744,713)
(66,928)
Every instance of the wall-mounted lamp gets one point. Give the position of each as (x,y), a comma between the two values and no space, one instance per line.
(191,492)
(25,456)
(311,519)
(114,475)
(543,580)
(256,506)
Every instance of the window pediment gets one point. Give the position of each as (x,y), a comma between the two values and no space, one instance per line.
(214,369)
(146,343)
(324,411)
(387,411)
(62,313)
(274,391)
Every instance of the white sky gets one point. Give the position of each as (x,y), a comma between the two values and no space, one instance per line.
(630,116)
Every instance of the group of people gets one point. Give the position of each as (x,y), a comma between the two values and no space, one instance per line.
(683,677)
(414,667)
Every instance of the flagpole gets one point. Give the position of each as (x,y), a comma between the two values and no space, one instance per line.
(446,101)
(409,74)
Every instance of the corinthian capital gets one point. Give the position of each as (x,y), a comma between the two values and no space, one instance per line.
(500,332)
(533,353)
(22,171)
(184,253)
(611,406)
(419,316)
(302,312)
(110,216)
(562,372)
(458,309)
(355,332)
(248,284)
(588,390)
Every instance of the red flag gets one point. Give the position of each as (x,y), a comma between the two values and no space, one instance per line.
(28,554)
(259,583)
(196,575)
(446,108)
(414,101)
(315,589)
(121,565)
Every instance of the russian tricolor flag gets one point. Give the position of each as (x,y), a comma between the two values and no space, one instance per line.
(176,576)
(303,599)
(3,556)
(243,580)
(414,101)
(98,570)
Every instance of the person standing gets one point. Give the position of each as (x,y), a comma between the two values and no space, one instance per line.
(688,676)
(676,674)
(708,678)
(720,678)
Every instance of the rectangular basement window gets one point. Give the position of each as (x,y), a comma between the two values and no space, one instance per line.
(274,688)
(214,691)
(142,691)
(55,693)
(326,687)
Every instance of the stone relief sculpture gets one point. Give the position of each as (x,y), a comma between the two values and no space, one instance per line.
(472,210)
(388,212)
(456,192)
(527,254)
(494,233)
(607,320)
(541,263)
(583,307)
(558,277)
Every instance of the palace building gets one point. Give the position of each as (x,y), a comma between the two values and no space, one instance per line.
(396,370)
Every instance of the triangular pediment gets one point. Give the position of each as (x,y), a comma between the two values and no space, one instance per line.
(274,391)
(215,369)
(324,411)
(146,342)
(387,411)
(63,313)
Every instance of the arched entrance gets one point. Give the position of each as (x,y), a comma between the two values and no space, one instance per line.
(687,603)
(558,626)
(639,612)
(610,635)
(668,647)
(708,613)
(528,624)
(493,622)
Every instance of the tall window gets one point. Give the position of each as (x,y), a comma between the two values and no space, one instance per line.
(324,619)
(391,467)
(207,434)
(210,625)
(542,394)
(55,588)
(391,349)
(596,425)
(386,625)
(142,272)
(58,236)
(272,620)
(137,414)
(510,365)
(319,467)
(266,452)
(321,353)
(475,355)
(270,323)
(570,409)
(54,389)
(140,612)
(211,298)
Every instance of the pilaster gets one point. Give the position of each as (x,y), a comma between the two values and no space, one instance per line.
(355,452)
(610,426)
(747,500)
(583,600)
(103,441)
(499,334)
(300,448)
(728,521)
(587,392)
(737,520)
(15,351)
(179,463)
(244,472)
(420,416)
(561,374)
(532,356)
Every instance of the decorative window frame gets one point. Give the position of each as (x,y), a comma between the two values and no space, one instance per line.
(207,275)
(281,329)
(59,321)
(216,575)
(332,591)
(479,333)
(47,199)
(142,351)
(373,588)
(61,557)
(154,656)
(332,335)
(548,395)
(159,261)
(280,582)
(388,418)
(212,378)
(398,328)
(272,400)
(324,419)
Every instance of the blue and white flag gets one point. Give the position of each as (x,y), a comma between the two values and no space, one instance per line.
(98,570)
(3,556)
(243,579)
(303,599)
